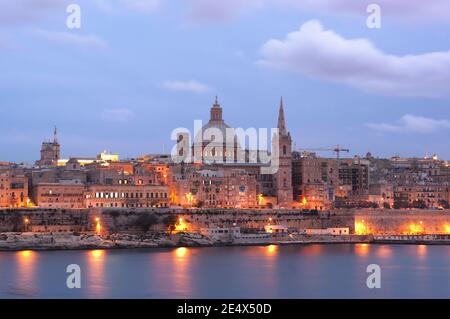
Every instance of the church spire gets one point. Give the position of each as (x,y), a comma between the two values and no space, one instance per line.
(281,121)
(55,135)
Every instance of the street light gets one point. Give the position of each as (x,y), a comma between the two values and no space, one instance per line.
(98,227)
(26,221)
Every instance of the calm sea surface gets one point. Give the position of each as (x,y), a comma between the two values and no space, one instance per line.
(308,271)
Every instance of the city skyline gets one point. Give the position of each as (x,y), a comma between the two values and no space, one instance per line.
(113,88)
(325,152)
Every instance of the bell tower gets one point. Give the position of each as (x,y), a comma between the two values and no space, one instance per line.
(283,177)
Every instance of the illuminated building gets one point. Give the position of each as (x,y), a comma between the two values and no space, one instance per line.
(224,187)
(13,189)
(108,157)
(129,196)
(59,195)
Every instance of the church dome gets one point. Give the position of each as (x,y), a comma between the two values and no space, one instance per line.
(214,134)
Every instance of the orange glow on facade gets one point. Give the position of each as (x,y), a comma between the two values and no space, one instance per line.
(173,197)
(303,201)
(181,225)
(260,198)
(189,198)
(98,227)
(416,229)
(446,229)
(361,228)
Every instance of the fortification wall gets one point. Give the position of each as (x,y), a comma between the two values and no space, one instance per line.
(402,221)
(375,221)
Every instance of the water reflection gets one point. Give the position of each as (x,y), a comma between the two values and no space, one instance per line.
(96,272)
(26,282)
(422,251)
(271,250)
(384,251)
(181,279)
(312,250)
(181,252)
(362,249)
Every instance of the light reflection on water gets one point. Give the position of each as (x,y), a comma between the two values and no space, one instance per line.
(25,283)
(181,277)
(96,260)
(306,271)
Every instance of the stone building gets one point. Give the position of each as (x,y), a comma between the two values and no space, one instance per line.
(421,196)
(69,195)
(128,174)
(214,187)
(13,188)
(314,180)
(354,173)
(126,196)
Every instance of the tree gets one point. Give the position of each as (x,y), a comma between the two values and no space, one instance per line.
(145,221)
(169,221)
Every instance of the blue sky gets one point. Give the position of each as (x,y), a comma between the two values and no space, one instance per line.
(137,69)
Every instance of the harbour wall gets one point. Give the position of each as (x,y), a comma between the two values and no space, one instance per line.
(375,221)
(403,221)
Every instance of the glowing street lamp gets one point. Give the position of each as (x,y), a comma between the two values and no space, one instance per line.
(26,221)
(189,198)
(303,202)
(260,199)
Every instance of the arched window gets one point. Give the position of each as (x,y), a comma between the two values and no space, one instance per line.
(284,150)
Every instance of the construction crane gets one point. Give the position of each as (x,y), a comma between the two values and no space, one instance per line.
(336,150)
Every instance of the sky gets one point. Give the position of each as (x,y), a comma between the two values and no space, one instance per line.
(136,70)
